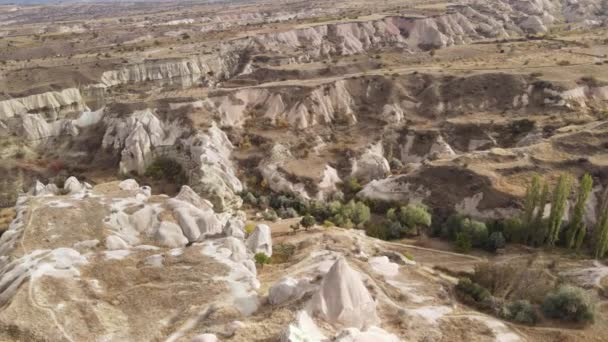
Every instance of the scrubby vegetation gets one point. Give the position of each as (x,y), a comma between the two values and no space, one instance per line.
(167,169)
(569,303)
(262,259)
(523,294)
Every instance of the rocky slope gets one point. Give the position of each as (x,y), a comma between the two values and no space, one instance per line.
(113,256)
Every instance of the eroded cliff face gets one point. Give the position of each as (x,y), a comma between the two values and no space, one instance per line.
(50,102)
(465,22)
(141,137)
(185,72)
(386,99)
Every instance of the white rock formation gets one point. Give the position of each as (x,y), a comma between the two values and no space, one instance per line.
(371,334)
(343,298)
(204,338)
(260,241)
(142,137)
(288,289)
(303,329)
(371,164)
(53,102)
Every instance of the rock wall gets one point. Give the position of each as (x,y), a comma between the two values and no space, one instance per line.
(50,102)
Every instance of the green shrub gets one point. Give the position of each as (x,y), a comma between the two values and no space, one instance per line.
(328,224)
(249,198)
(415,215)
(270,215)
(477,231)
(262,259)
(167,169)
(378,231)
(473,291)
(307,221)
(520,311)
(569,303)
(463,243)
(249,228)
(287,213)
(496,241)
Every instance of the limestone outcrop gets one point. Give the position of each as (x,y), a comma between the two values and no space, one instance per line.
(260,241)
(343,298)
(50,102)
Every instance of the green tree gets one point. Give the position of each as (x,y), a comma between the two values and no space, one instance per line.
(463,242)
(415,215)
(307,221)
(577,229)
(531,200)
(262,259)
(601,227)
(558,208)
(539,226)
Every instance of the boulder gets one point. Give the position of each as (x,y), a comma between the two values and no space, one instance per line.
(260,241)
(170,235)
(287,289)
(128,184)
(73,186)
(303,329)
(114,242)
(204,338)
(238,251)
(343,298)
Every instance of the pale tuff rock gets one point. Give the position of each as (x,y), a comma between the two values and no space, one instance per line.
(214,177)
(136,136)
(185,71)
(205,156)
(73,186)
(114,242)
(371,164)
(53,102)
(236,248)
(196,223)
(372,334)
(303,329)
(382,265)
(129,185)
(204,338)
(343,298)
(288,289)
(59,263)
(260,241)
(186,194)
(274,177)
(329,183)
(40,189)
(533,24)
(393,189)
(170,235)
(236,228)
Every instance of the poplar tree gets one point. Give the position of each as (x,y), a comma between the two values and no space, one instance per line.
(539,225)
(577,229)
(558,208)
(530,204)
(601,228)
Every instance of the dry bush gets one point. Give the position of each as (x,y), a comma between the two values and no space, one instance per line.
(515,281)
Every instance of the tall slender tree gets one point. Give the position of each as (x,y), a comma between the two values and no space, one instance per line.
(577,229)
(539,225)
(530,204)
(558,208)
(601,227)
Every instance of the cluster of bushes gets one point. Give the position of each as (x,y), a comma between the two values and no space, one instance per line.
(406,221)
(567,303)
(468,233)
(353,214)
